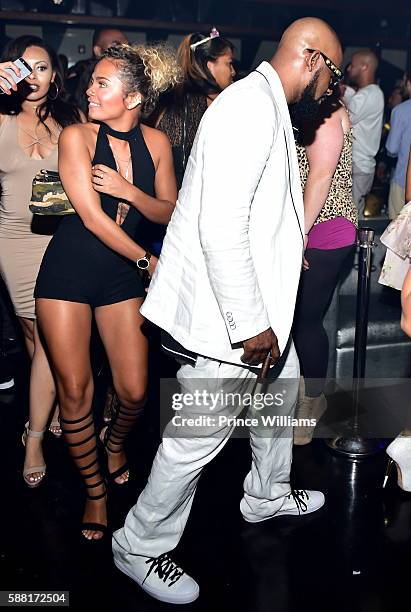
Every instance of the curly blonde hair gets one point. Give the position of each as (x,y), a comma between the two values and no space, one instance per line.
(149,69)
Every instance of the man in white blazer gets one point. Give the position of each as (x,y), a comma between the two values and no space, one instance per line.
(224,291)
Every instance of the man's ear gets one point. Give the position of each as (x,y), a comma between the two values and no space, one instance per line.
(97,51)
(133,100)
(311,59)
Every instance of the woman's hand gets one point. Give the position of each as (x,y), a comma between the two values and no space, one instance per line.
(150,270)
(7,77)
(109,181)
(152,265)
(306,265)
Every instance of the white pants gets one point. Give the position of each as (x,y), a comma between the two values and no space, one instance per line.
(361,187)
(157,521)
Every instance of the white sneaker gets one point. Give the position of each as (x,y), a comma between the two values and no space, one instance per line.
(6,384)
(297,503)
(301,502)
(159,576)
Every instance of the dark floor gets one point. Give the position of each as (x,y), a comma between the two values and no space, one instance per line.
(353,555)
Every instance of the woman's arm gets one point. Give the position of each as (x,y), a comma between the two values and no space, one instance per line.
(75,173)
(406,304)
(408,181)
(323,156)
(158,209)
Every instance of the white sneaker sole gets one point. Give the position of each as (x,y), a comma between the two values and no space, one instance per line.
(156,594)
(7,385)
(284,513)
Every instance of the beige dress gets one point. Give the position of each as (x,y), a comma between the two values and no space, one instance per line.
(23,237)
(397,239)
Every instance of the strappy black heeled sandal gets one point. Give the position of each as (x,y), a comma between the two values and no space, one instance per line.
(92,526)
(81,439)
(105,435)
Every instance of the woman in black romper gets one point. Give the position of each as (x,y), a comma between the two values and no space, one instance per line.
(116,174)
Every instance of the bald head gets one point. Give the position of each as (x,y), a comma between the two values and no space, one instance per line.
(362,68)
(312,33)
(303,55)
(105,38)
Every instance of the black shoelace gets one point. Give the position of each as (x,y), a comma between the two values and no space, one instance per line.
(299,495)
(165,568)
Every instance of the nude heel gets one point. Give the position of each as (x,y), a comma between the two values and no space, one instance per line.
(41,469)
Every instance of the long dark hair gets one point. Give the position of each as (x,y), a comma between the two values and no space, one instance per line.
(197,77)
(55,106)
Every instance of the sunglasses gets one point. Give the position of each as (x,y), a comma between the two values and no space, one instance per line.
(337,73)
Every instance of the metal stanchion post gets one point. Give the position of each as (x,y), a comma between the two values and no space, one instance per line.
(354,445)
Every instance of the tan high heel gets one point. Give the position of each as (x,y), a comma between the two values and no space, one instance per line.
(27,472)
(55,428)
(309,409)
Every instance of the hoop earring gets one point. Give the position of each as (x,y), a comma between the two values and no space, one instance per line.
(57,91)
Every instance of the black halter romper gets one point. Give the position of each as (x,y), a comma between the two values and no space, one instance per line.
(77,266)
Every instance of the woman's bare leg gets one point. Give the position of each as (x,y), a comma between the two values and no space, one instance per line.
(27,326)
(42,400)
(67,328)
(120,330)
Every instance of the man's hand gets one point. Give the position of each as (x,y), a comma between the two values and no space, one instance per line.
(257,348)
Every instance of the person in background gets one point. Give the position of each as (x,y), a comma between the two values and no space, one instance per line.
(206,64)
(325,159)
(6,373)
(31,119)
(397,239)
(395,98)
(78,76)
(207,69)
(386,163)
(63,59)
(366,109)
(6,327)
(397,274)
(398,145)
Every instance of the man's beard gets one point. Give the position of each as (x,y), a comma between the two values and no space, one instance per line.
(351,81)
(307,106)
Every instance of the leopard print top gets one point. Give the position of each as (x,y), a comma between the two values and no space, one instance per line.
(340,202)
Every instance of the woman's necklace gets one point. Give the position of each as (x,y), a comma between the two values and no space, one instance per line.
(36,140)
(122,207)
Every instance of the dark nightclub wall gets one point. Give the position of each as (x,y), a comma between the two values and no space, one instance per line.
(254,25)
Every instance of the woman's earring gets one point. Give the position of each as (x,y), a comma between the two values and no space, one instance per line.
(137,102)
(57,90)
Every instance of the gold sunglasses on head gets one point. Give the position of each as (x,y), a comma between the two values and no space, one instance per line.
(336,72)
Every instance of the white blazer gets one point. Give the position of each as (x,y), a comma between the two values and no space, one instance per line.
(231,259)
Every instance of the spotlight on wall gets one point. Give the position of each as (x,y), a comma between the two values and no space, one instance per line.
(58,6)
